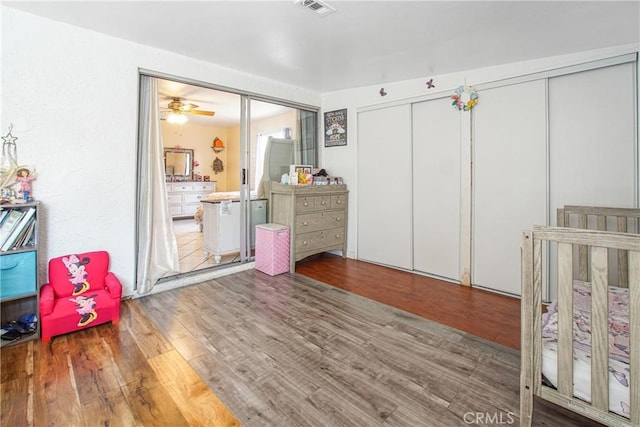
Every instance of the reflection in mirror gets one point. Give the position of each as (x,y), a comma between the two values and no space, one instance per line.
(178,164)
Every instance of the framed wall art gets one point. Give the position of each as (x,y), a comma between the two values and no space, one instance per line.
(335,128)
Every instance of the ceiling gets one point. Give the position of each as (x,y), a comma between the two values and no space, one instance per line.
(225,105)
(362,43)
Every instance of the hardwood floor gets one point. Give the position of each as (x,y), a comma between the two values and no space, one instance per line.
(257,350)
(482,313)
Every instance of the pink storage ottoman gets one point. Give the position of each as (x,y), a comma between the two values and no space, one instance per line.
(272,248)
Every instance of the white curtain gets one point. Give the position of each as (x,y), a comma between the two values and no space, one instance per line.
(157,246)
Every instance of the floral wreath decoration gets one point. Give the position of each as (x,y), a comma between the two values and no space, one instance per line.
(465,98)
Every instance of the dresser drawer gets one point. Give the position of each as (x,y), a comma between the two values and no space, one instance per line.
(338,201)
(174,198)
(206,187)
(306,223)
(322,202)
(180,187)
(305,204)
(319,239)
(194,198)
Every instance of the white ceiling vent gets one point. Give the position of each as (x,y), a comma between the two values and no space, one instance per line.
(317,6)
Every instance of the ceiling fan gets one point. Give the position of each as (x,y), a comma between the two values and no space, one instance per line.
(177,106)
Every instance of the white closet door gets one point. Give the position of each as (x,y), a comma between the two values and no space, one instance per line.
(384,186)
(592,143)
(509,180)
(436,189)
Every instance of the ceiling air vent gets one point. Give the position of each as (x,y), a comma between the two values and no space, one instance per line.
(317,6)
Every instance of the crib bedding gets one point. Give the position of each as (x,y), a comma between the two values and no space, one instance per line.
(619,394)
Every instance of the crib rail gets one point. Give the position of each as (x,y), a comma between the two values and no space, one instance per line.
(595,244)
(622,220)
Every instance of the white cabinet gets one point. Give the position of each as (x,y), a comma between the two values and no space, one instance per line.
(221,225)
(185,197)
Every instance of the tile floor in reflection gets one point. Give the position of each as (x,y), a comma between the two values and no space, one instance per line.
(191,253)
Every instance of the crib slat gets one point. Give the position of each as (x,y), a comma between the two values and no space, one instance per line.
(583,266)
(537,315)
(599,329)
(634,335)
(623,279)
(565,319)
(527,337)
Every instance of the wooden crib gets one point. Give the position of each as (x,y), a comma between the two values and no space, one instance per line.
(583,262)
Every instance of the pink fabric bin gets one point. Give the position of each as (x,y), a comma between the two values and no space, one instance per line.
(272,248)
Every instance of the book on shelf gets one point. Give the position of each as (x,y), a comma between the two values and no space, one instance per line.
(25,238)
(3,215)
(20,229)
(10,223)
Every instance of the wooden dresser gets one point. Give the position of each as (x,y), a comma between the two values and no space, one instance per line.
(316,216)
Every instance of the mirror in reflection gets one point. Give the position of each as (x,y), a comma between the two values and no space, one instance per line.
(178,164)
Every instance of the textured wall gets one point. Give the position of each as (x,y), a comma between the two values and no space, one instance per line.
(72,96)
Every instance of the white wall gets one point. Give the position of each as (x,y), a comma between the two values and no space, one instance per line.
(72,96)
(340,161)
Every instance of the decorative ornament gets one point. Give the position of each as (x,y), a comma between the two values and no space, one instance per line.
(430,84)
(217,166)
(465,98)
(382,92)
(9,139)
(8,162)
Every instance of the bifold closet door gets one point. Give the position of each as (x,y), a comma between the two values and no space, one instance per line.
(509,180)
(384,186)
(436,189)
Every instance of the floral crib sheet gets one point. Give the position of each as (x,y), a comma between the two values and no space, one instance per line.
(618,345)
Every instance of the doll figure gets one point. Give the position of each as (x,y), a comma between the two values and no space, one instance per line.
(24,179)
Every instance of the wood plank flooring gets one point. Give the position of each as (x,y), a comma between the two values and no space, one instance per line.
(482,313)
(110,375)
(257,350)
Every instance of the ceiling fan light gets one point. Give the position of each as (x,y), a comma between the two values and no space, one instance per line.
(177,119)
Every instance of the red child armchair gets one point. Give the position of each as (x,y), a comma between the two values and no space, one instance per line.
(81,293)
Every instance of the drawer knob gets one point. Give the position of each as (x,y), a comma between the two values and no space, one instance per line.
(338,218)
(304,243)
(305,223)
(305,204)
(323,202)
(338,202)
(337,236)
